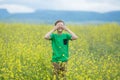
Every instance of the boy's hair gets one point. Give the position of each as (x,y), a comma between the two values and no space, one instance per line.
(58,22)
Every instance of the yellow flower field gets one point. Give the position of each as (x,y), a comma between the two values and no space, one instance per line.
(26,55)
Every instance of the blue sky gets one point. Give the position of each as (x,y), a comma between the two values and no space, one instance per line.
(22,6)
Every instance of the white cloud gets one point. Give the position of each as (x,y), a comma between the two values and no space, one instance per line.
(13,8)
(82,5)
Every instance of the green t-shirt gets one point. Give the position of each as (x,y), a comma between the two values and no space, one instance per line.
(60,47)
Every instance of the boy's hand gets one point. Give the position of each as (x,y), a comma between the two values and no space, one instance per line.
(65,28)
(55,28)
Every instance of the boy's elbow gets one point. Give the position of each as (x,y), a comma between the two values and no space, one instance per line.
(75,37)
(46,37)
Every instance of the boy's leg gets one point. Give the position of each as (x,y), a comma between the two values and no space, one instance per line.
(56,69)
(59,70)
(63,69)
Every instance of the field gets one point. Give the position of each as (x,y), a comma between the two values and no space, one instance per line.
(26,55)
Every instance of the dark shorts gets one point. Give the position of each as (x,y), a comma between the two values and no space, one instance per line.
(60,66)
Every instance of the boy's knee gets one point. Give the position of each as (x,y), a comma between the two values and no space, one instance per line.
(63,69)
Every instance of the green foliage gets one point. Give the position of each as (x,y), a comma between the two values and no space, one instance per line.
(26,55)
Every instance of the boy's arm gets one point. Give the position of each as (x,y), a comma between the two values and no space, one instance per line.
(74,36)
(47,36)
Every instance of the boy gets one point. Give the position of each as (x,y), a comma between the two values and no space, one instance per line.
(60,47)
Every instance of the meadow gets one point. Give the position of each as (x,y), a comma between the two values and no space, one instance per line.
(26,55)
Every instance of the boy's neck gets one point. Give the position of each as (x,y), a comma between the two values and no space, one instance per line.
(59,33)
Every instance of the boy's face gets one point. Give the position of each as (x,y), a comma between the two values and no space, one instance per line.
(60,26)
